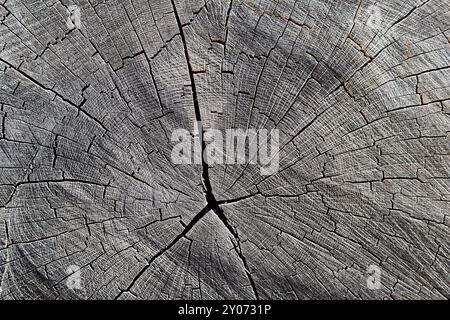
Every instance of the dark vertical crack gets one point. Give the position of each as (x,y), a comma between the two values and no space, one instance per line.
(207,188)
(211,202)
(3,124)
(226,24)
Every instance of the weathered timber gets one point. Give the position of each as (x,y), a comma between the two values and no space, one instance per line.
(91,91)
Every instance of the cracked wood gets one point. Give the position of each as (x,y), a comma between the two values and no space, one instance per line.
(86,177)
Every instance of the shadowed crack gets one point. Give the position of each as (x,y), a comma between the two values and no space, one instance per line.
(207,188)
(211,203)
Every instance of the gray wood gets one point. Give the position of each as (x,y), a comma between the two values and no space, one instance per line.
(86,177)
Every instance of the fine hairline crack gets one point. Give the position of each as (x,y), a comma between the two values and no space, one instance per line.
(211,203)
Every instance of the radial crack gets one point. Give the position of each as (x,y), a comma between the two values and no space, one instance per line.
(185,231)
(207,188)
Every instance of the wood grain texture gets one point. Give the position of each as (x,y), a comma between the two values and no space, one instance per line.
(86,176)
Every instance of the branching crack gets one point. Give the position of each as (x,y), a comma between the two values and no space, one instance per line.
(211,203)
(207,188)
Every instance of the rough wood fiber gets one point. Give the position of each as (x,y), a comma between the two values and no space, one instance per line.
(86,177)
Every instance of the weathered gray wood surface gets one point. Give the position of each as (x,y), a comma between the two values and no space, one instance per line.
(86,177)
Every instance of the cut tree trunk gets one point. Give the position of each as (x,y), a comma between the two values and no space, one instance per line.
(92,205)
